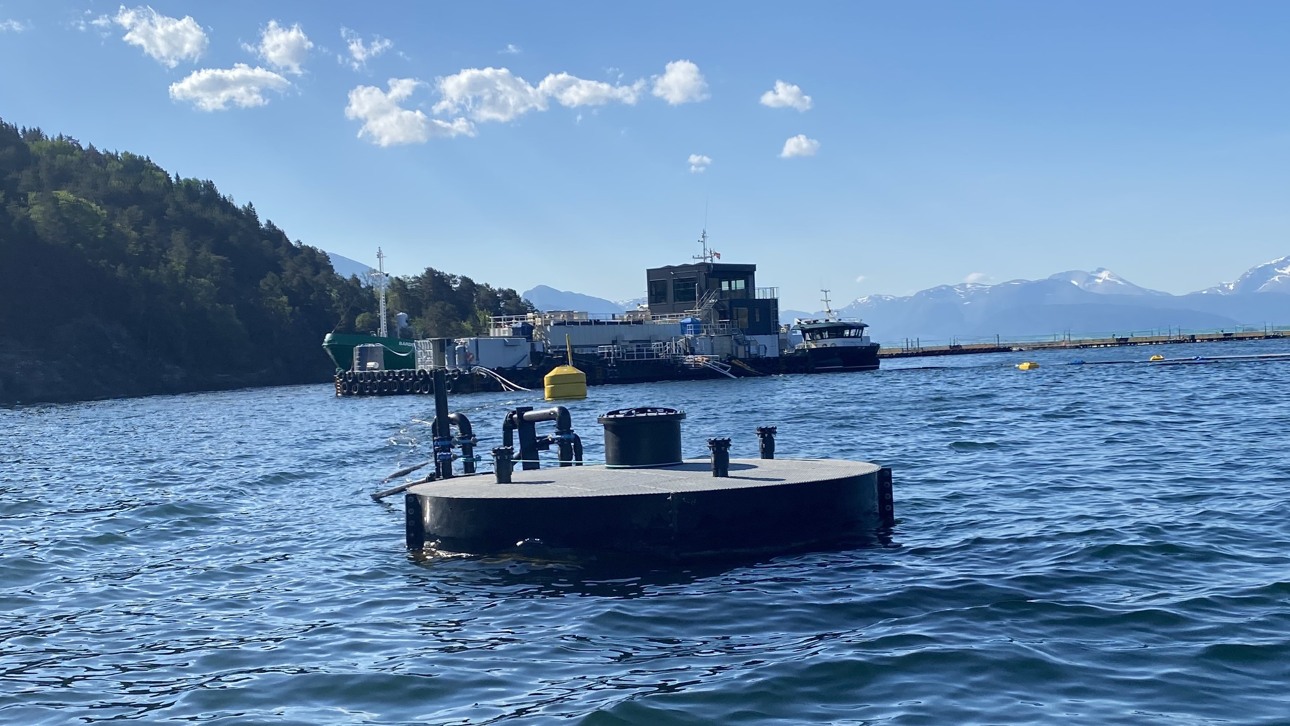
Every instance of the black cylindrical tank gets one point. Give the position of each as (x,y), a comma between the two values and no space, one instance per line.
(640,437)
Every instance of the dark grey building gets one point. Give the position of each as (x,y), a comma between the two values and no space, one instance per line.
(719,291)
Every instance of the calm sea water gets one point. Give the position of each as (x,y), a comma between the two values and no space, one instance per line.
(1083,544)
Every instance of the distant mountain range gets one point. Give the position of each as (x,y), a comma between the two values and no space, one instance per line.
(1075,302)
(1079,303)
(549,298)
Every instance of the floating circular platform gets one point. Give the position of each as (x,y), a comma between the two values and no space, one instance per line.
(764,505)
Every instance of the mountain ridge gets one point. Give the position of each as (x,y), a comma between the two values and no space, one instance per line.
(1097,302)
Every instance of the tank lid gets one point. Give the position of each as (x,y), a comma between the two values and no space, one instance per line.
(653,413)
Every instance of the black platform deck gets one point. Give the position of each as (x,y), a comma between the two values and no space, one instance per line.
(764,505)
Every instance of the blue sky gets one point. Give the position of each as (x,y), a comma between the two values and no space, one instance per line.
(862,147)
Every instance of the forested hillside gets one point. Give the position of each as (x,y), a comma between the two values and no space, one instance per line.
(118,279)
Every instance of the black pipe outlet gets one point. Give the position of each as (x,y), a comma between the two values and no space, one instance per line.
(502,464)
(767,436)
(720,456)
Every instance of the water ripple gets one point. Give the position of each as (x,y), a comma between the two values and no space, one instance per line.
(1074,544)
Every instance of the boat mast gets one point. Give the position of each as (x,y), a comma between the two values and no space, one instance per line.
(828,311)
(380,282)
(708,254)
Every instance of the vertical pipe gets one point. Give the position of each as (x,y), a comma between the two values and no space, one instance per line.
(767,436)
(502,464)
(466,440)
(720,456)
(528,440)
(442,432)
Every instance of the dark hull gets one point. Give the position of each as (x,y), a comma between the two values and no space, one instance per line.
(839,359)
(599,372)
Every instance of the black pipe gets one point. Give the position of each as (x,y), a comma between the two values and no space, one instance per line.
(465,439)
(577,450)
(563,438)
(720,456)
(518,420)
(767,436)
(522,420)
(442,440)
(559,414)
(502,464)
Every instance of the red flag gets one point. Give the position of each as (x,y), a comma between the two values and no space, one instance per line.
(716,254)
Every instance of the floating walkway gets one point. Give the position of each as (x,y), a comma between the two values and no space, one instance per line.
(914,350)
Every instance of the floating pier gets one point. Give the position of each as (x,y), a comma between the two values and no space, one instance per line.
(644,500)
(762,506)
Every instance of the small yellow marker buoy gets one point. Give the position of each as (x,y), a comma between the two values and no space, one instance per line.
(1157,357)
(1028,365)
(565,382)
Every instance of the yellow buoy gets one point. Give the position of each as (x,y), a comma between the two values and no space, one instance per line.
(1157,357)
(565,382)
(1028,365)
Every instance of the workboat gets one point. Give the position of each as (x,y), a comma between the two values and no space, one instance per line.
(832,343)
(702,320)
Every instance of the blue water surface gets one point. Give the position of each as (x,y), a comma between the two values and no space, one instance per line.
(1076,544)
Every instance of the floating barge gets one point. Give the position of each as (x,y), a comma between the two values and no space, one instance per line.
(703,320)
(645,500)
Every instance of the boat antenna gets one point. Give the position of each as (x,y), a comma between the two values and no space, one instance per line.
(380,282)
(828,311)
(708,255)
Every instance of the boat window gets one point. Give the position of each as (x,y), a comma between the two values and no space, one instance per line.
(683,290)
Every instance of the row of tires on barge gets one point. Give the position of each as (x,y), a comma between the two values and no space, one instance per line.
(402,382)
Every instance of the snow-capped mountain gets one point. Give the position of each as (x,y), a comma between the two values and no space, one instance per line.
(1075,302)
(1271,276)
(1103,282)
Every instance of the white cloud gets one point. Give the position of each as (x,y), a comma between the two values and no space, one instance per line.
(571,91)
(283,48)
(488,94)
(976,278)
(860,278)
(89,20)
(359,52)
(12,26)
(167,40)
(386,123)
(496,94)
(510,49)
(786,95)
(214,89)
(699,163)
(799,146)
(681,82)
(482,95)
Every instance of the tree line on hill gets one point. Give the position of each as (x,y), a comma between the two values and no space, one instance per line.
(119,279)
